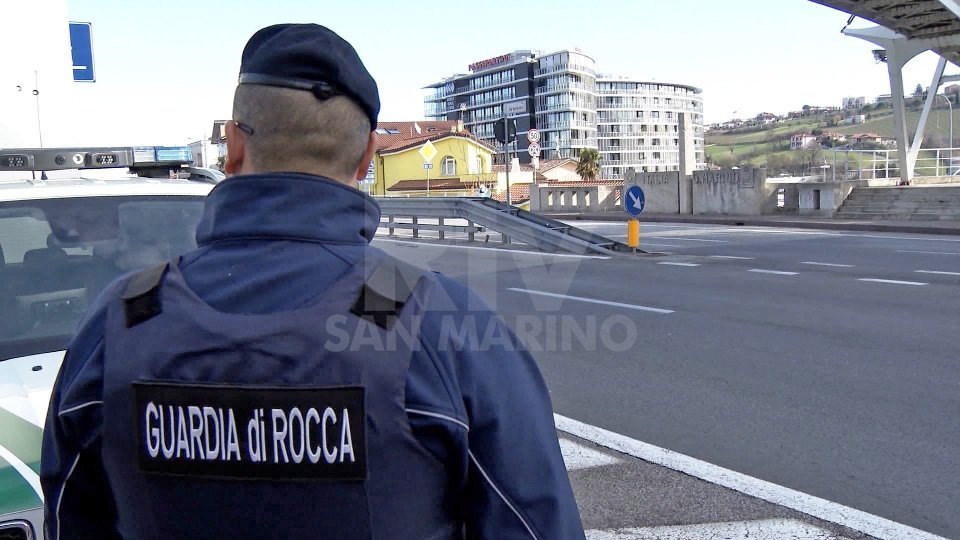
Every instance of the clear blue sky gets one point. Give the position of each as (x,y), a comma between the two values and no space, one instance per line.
(173,64)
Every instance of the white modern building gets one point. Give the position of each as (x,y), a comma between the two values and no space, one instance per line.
(633,123)
(638,124)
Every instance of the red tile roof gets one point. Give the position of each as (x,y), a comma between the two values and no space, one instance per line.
(413,143)
(407,131)
(439,184)
(519,194)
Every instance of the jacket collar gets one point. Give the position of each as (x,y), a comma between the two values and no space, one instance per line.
(288,206)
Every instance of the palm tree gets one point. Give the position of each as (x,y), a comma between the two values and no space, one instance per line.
(589,166)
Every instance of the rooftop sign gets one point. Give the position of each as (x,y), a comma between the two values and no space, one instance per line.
(490,62)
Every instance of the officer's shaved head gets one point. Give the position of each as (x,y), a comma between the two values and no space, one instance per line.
(296,132)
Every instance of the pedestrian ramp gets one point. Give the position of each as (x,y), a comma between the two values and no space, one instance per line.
(483,214)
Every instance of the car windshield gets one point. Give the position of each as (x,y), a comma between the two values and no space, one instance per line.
(56,255)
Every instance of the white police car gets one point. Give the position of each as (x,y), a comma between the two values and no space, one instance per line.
(63,237)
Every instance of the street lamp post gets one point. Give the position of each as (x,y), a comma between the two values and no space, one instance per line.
(950,105)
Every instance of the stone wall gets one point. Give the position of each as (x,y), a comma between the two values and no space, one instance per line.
(661,190)
(733,192)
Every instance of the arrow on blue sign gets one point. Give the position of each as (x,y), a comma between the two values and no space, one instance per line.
(81,49)
(634,201)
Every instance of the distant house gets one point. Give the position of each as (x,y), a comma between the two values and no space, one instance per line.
(870,138)
(884,99)
(767,118)
(803,140)
(835,137)
(854,102)
(218,137)
(461,164)
(952,89)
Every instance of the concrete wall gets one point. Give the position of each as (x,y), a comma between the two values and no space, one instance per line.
(824,198)
(572,199)
(661,190)
(733,192)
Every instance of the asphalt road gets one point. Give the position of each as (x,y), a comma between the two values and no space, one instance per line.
(823,361)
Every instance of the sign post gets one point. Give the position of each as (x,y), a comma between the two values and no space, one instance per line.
(428,152)
(634,202)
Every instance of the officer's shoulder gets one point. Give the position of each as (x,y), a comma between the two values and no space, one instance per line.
(448,294)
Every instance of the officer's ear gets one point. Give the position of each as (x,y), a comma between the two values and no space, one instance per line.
(236,149)
(367,156)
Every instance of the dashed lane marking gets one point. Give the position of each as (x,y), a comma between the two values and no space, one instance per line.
(678,238)
(938,272)
(775,272)
(592,301)
(893,281)
(928,252)
(668,263)
(731,257)
(836,265)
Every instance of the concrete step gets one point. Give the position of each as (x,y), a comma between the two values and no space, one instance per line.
(903,203)
(903,207)
(905,198)
(846,214)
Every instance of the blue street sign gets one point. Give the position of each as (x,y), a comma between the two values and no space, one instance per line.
(634,201)
(81,49)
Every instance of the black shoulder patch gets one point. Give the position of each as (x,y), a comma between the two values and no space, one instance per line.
(386,291)
(251,432)
(141,297)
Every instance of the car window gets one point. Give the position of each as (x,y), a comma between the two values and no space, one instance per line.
(56,256)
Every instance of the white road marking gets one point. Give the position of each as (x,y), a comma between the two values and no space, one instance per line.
(776,272)
(859,520)
(893,281)
(578,456)
(25,471)
(731,530)
(828,264)
(515,251)
(928,252)
(904,238)
(642,244)
(592,301)
(678,263)
(938,272)
(689,239)
(732,257)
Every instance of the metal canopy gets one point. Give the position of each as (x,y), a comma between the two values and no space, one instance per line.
(913,19)
(906,29)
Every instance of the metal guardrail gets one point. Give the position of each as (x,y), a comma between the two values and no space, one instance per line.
(545,234)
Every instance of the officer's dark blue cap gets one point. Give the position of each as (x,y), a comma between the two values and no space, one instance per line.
(313,58)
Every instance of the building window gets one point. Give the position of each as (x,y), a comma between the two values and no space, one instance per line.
(449,166)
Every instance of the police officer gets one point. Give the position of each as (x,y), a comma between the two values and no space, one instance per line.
(288,380)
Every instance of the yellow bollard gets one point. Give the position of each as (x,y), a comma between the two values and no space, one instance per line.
(633,233)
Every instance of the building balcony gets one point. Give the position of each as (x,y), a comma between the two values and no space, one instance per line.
(565,67)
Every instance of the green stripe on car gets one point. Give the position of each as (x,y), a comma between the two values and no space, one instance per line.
(15,493)
(21,438)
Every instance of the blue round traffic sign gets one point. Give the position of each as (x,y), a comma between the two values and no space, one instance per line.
(634,201)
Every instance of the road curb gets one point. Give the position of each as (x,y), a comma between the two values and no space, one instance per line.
(857,520)
(951,229)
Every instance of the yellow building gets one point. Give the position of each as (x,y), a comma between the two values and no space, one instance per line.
(461,165)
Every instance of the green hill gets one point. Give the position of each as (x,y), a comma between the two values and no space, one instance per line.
(771,147)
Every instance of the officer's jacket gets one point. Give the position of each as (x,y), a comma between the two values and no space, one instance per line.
(274,244)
